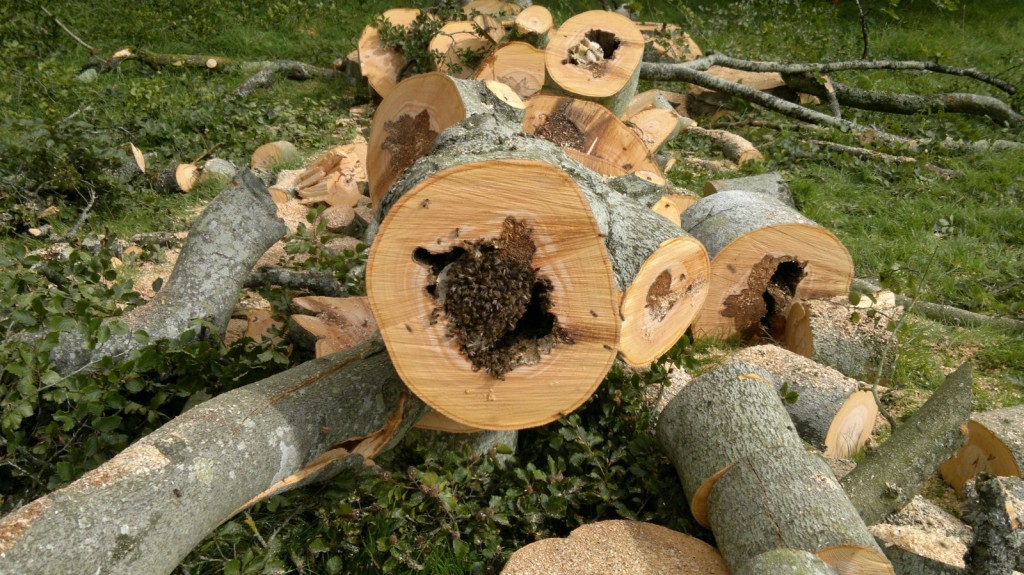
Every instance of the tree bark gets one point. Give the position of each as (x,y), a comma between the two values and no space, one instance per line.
(890,476)
(830,412)
(992,508)
(231,234)
(945,313)
(772,184)
(721,417)
(788,498)
(789,561)
(145,509)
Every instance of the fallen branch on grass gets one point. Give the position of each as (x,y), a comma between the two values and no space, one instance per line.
(876,155)
(314,281)
(945,313)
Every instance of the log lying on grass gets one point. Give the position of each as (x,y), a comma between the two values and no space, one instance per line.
(474,277)
(852,339)
(891,475)
(995,444)
(830,412)
(596,56)
(145,509)
(765,255)
(223,245)
(618,547)
(787,497)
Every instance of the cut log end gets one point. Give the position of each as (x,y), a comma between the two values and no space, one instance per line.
(991,447)
(518,65)
(269,155)
(665,296)
(467,343)
(856,560)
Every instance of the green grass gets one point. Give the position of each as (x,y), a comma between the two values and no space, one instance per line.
(956,241)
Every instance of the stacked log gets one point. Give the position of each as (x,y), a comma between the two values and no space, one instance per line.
(459,216)
(765,255)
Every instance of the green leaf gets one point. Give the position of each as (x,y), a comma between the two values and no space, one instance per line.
(318,545)
(233,567)
(107,424)
(23,318)
(64,471)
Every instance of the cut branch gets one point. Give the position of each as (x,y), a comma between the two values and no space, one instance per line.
(145,509)
(314,281)
(946,313)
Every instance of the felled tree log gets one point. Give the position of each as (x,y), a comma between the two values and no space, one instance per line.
(735,148)
(518,65)
(223,245)
(145,509)
(785,497)
(463,210)
(180,178)
(830,411)
(995,444)
(457,41)
(891,475)
(407,122)
(765,255)
(849,338)
(772,184)
(618,547)
(721,417)
(591,135)
(596,56)
(945,313)
(786,561)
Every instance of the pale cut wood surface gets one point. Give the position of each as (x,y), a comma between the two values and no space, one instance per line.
(452,40)
(612,83)
(721,417)
(672,205)
(618,547)
(379,64)
(656,126)
(533,25)
(268,155)
(654,98)
(740,230)
(995,444)
(603,135)
(471,201)
(516,64)
(830,412)
(786,497)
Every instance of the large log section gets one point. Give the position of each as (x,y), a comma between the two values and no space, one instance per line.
(995,444)
(765,255)
(491,281)
(145,509)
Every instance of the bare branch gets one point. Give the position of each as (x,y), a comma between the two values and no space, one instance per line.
(68,30)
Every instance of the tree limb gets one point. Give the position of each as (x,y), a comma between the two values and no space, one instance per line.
(876,155)
(879,101)
(719,59)
(291,69)
(145,509)
(682,72)
(231,234)
(315,281)
(946,313)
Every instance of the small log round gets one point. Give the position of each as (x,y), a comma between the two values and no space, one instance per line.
(269,155)
(785,497)
(830,411)
(516,64)
(382,65)
(456,40)
(995,444)
(587,129)
(721,417)
(533,25)
(764,255)
(672,205)
(656,126)
(596,56)
(790,561)
(331,324)
(407,122)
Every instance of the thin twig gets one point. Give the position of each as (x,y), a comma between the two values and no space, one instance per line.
(863,29)
(70,33)
(876,155)
(81,217)
(833,102)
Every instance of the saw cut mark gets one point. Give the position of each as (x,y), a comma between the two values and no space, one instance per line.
(409,139)
(495,305)
(760,310)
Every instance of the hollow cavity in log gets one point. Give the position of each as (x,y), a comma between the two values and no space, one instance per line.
(760,310)
(409,138)
(561,130)
(596,48)
(497,308)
